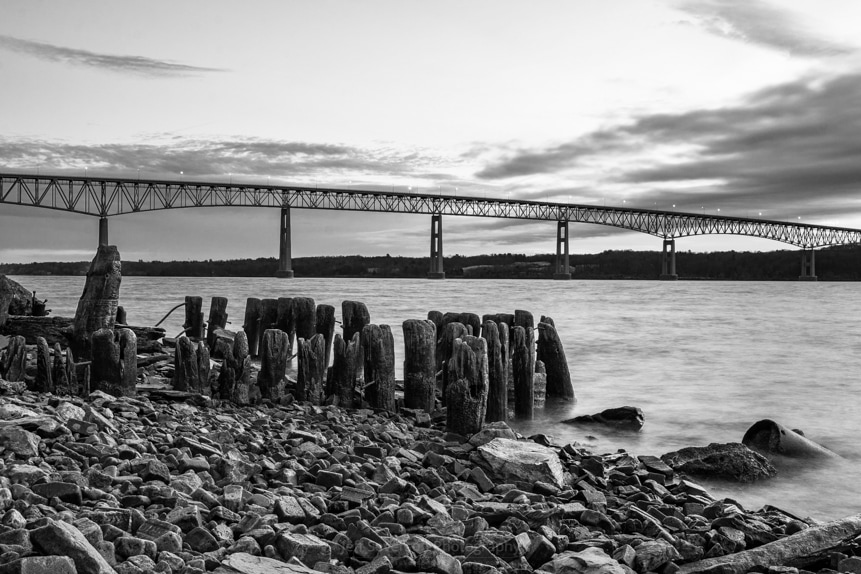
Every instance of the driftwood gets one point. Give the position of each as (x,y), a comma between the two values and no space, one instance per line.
(419,364)
(273,364)
(325,325)
(523,381)
(217,319)
(114,364)
(14,363)
(193,326)
(305,317)
(784,551)
(251,326)
(378,346)
(97,307)
(497,394)
(43,382)
(57,329)
(311,374)
(58,372)
(444,350)
(550,351)
(466,395)
(234,377)
(354,317)
(346,364)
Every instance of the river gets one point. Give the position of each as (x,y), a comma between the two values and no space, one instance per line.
(704,360)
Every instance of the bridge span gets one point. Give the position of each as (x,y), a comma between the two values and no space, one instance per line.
(105,197)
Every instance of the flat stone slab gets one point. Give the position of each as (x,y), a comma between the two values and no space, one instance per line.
(514,460)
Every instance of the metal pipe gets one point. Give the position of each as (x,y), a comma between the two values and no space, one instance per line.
(169,312)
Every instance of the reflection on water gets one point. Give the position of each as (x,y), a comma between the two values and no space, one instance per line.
(704,360)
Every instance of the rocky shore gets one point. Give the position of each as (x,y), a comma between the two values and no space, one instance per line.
(152,484)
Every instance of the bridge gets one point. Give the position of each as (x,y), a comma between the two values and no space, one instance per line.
(105,197)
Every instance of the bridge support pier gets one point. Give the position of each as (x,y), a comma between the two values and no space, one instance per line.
(103,230)
(808,265)
(668,261)
(285,258)
(436,269)
(563,268)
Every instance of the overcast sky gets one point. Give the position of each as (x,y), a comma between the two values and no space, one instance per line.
(745,106)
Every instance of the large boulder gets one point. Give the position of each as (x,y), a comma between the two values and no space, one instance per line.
(769,438)
(729,461)
(619,417)
(588,561)
(14,299)
(513,460)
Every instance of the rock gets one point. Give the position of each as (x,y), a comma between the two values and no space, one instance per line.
(305,547)
(522,461)
(730,461)
(652,554)
(244,563)
(588,561)
(40,565)
(620,417)
(21,442)
(64,539)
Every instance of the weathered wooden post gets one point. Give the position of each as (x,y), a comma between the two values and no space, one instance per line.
(305,317)
(72,373)
(325,325)
(497,394)
(354,317)
(15,360)
(469,320)
(311,375)
(268,316)
(6,295)
(234,377)
(435,317)
(193,325)
(419,364)
(378,346)
(217,320)
(466,395)
(444,350)
(121,316)
(525,319)
(522,374)
(273,364)
(345,368)
(114,365)
(43,382)
(58,372)
(286,320)
(186,376)
(251,324)
(97,307)
(550,351)
(203,368)
(539,385)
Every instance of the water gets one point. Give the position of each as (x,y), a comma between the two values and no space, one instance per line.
(704,360)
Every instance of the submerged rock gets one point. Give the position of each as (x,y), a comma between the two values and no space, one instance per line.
(619,417)
(730,461)
(769,437)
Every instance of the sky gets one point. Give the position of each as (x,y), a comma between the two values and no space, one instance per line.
(744,106)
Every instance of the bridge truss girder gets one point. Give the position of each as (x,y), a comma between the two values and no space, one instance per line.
(105,197)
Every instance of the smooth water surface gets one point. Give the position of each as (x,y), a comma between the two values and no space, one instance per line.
(704,360)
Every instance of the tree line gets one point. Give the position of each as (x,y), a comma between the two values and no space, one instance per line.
(841,263)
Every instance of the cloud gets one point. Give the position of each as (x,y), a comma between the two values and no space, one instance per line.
(793,145)
(760,23)
(137,65)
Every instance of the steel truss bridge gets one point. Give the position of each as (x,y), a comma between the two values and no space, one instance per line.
(105,197)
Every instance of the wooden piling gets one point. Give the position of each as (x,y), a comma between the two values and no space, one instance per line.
(305,317)
(15,360)
(203,369)
(97,306)
(114,364)
(354,317)
(193,325)
(378,346)
(312,373)
(419,364)
(522,374)
(497,394)
(444,350)
(43,382)
(346,364)
(325,325)
(466,395)
(234,377)
(121,316)
(268,316)
(527,321)
(286,320)
(251,324)
(58,372)
(72,374)
(217,319)
(185,366)
(273,364)
(550,351)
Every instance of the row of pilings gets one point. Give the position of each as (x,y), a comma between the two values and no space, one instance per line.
(482,369)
